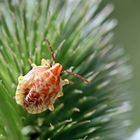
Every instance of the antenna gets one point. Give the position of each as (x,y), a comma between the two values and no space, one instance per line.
(78,76)
(51,50)
(69,72)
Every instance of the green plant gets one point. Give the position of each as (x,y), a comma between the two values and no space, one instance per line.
(81,38)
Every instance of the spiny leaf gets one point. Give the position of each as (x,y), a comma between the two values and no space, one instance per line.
(81,36)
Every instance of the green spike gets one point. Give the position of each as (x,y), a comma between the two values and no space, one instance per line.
(81,37)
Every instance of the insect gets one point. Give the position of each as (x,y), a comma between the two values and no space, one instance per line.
(38,90)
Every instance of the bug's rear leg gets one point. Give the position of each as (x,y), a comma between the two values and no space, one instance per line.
(51,107)
(45,62)
(20,78)
(60,94)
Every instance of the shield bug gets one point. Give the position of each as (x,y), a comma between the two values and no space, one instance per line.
(38,90)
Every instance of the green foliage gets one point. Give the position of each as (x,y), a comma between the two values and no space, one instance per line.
(81,38)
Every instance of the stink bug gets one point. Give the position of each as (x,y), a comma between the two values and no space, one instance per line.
(38,90)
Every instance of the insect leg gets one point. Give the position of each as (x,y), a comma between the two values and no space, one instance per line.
(51,107)
(46,62)
(31,63)
(60,94)
(20,78)
(66,82)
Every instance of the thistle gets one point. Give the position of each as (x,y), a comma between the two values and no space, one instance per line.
(81,37)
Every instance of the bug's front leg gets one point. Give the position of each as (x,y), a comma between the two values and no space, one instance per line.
(66,82)
(46,62)
(31,63)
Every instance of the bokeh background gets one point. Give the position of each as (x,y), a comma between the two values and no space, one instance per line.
(127,34)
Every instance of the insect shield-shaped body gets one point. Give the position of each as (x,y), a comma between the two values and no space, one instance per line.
(38,90)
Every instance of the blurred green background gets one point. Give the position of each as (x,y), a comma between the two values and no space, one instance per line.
(127,34)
